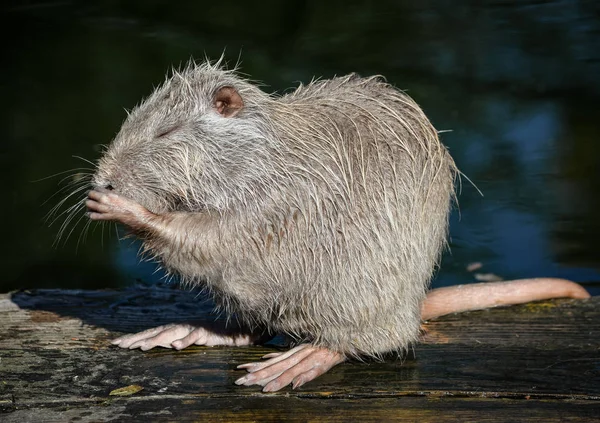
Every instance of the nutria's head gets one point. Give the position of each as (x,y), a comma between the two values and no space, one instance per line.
(198,142)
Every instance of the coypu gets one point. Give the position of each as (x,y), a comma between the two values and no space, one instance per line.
(320,214)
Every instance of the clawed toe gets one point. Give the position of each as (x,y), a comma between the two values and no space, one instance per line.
(180,336)
(296,367)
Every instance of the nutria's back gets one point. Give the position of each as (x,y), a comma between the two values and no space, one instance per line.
(356,219)
(331,203)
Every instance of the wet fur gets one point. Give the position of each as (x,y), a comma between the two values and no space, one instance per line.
(321,213)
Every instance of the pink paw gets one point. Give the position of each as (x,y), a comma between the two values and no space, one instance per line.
(296,366)
(106,205)
(179,336)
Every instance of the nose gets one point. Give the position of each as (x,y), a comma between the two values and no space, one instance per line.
(103,184)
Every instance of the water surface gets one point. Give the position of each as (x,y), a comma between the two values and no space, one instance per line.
(516,85)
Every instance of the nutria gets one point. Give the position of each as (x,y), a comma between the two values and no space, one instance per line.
(320,214)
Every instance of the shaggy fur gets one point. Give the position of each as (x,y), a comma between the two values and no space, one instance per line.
(321,214)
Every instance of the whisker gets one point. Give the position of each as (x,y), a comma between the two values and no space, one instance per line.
(72,212)
(74,171)
(74,226)
(70,186)
(102,237)
(52,214)
(95,165)
(87,177)
(83,234)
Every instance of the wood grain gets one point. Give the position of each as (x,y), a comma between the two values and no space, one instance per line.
(536,362)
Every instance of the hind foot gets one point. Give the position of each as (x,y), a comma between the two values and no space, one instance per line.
(296,366)
(180,336)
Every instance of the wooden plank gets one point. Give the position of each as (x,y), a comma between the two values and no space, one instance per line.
(498,372)
(534,362)
(274,408)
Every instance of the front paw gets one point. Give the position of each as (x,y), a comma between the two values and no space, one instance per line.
(106,205)
(180,336)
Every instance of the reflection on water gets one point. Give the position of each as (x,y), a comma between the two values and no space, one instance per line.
(516,84)
(516,150)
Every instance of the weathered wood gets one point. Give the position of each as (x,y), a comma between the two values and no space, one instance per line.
(299,409)
(537,362)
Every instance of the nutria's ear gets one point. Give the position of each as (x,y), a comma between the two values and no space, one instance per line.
(228,102)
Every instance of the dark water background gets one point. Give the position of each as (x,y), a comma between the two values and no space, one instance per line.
(517,82)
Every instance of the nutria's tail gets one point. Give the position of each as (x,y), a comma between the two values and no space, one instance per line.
(477,296)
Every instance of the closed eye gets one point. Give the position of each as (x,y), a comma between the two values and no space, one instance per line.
(167,131)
